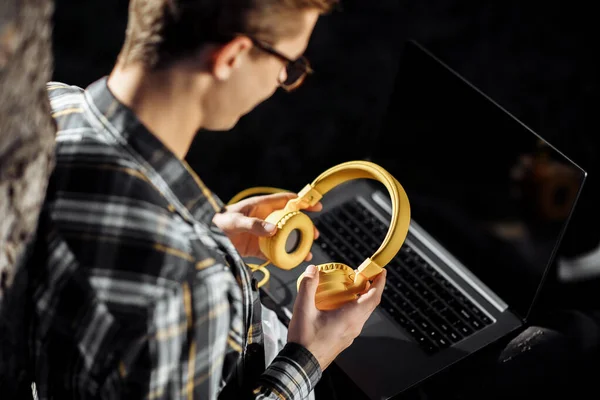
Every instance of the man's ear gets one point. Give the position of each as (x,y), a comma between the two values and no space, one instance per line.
(229,57)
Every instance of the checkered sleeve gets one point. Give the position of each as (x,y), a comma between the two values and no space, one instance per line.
(293,374)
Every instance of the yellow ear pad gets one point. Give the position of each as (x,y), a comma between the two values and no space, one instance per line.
(292,242)
(336,286)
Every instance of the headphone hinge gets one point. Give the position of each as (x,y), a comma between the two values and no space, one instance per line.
(367,270)
(307,197)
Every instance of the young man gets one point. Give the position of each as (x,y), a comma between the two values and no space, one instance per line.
(139,289)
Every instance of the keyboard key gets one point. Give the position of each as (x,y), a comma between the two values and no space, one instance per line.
(437,305)
(454,336)
(476,324)
(465,314)
(463,328)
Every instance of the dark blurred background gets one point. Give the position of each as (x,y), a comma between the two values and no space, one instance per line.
(536,59)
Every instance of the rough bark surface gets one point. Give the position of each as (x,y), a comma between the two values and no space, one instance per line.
(26,127)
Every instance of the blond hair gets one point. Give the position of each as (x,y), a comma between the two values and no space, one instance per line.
(162,31)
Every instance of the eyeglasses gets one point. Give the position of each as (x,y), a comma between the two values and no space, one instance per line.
(296,70)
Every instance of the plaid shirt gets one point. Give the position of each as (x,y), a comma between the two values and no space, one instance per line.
(136,294)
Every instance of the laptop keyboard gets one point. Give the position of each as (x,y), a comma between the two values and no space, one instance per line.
(416,296)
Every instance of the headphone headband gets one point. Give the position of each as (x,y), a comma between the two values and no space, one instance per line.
(400,221)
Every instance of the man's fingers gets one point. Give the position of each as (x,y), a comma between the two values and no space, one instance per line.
(275,201)
(238,223)
(317,207)
(305,300)
(373,296)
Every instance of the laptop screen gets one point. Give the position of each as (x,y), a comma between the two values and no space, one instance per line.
(487,188)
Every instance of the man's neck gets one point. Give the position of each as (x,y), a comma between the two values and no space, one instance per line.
(162,101)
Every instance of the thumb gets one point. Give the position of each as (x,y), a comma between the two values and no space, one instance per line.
(307,289)
(259,227)
(238,223)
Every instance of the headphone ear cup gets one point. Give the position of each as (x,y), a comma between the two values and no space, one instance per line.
(336,286)
(292,241)
(336,282)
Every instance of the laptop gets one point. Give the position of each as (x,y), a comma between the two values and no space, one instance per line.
(490,201)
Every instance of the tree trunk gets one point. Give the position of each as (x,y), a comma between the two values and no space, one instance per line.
(26,127)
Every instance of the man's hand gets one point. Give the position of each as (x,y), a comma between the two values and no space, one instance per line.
(243,222)
(327,333)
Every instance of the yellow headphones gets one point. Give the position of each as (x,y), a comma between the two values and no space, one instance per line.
(338,283)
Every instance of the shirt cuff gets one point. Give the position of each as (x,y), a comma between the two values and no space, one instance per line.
(293,373)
